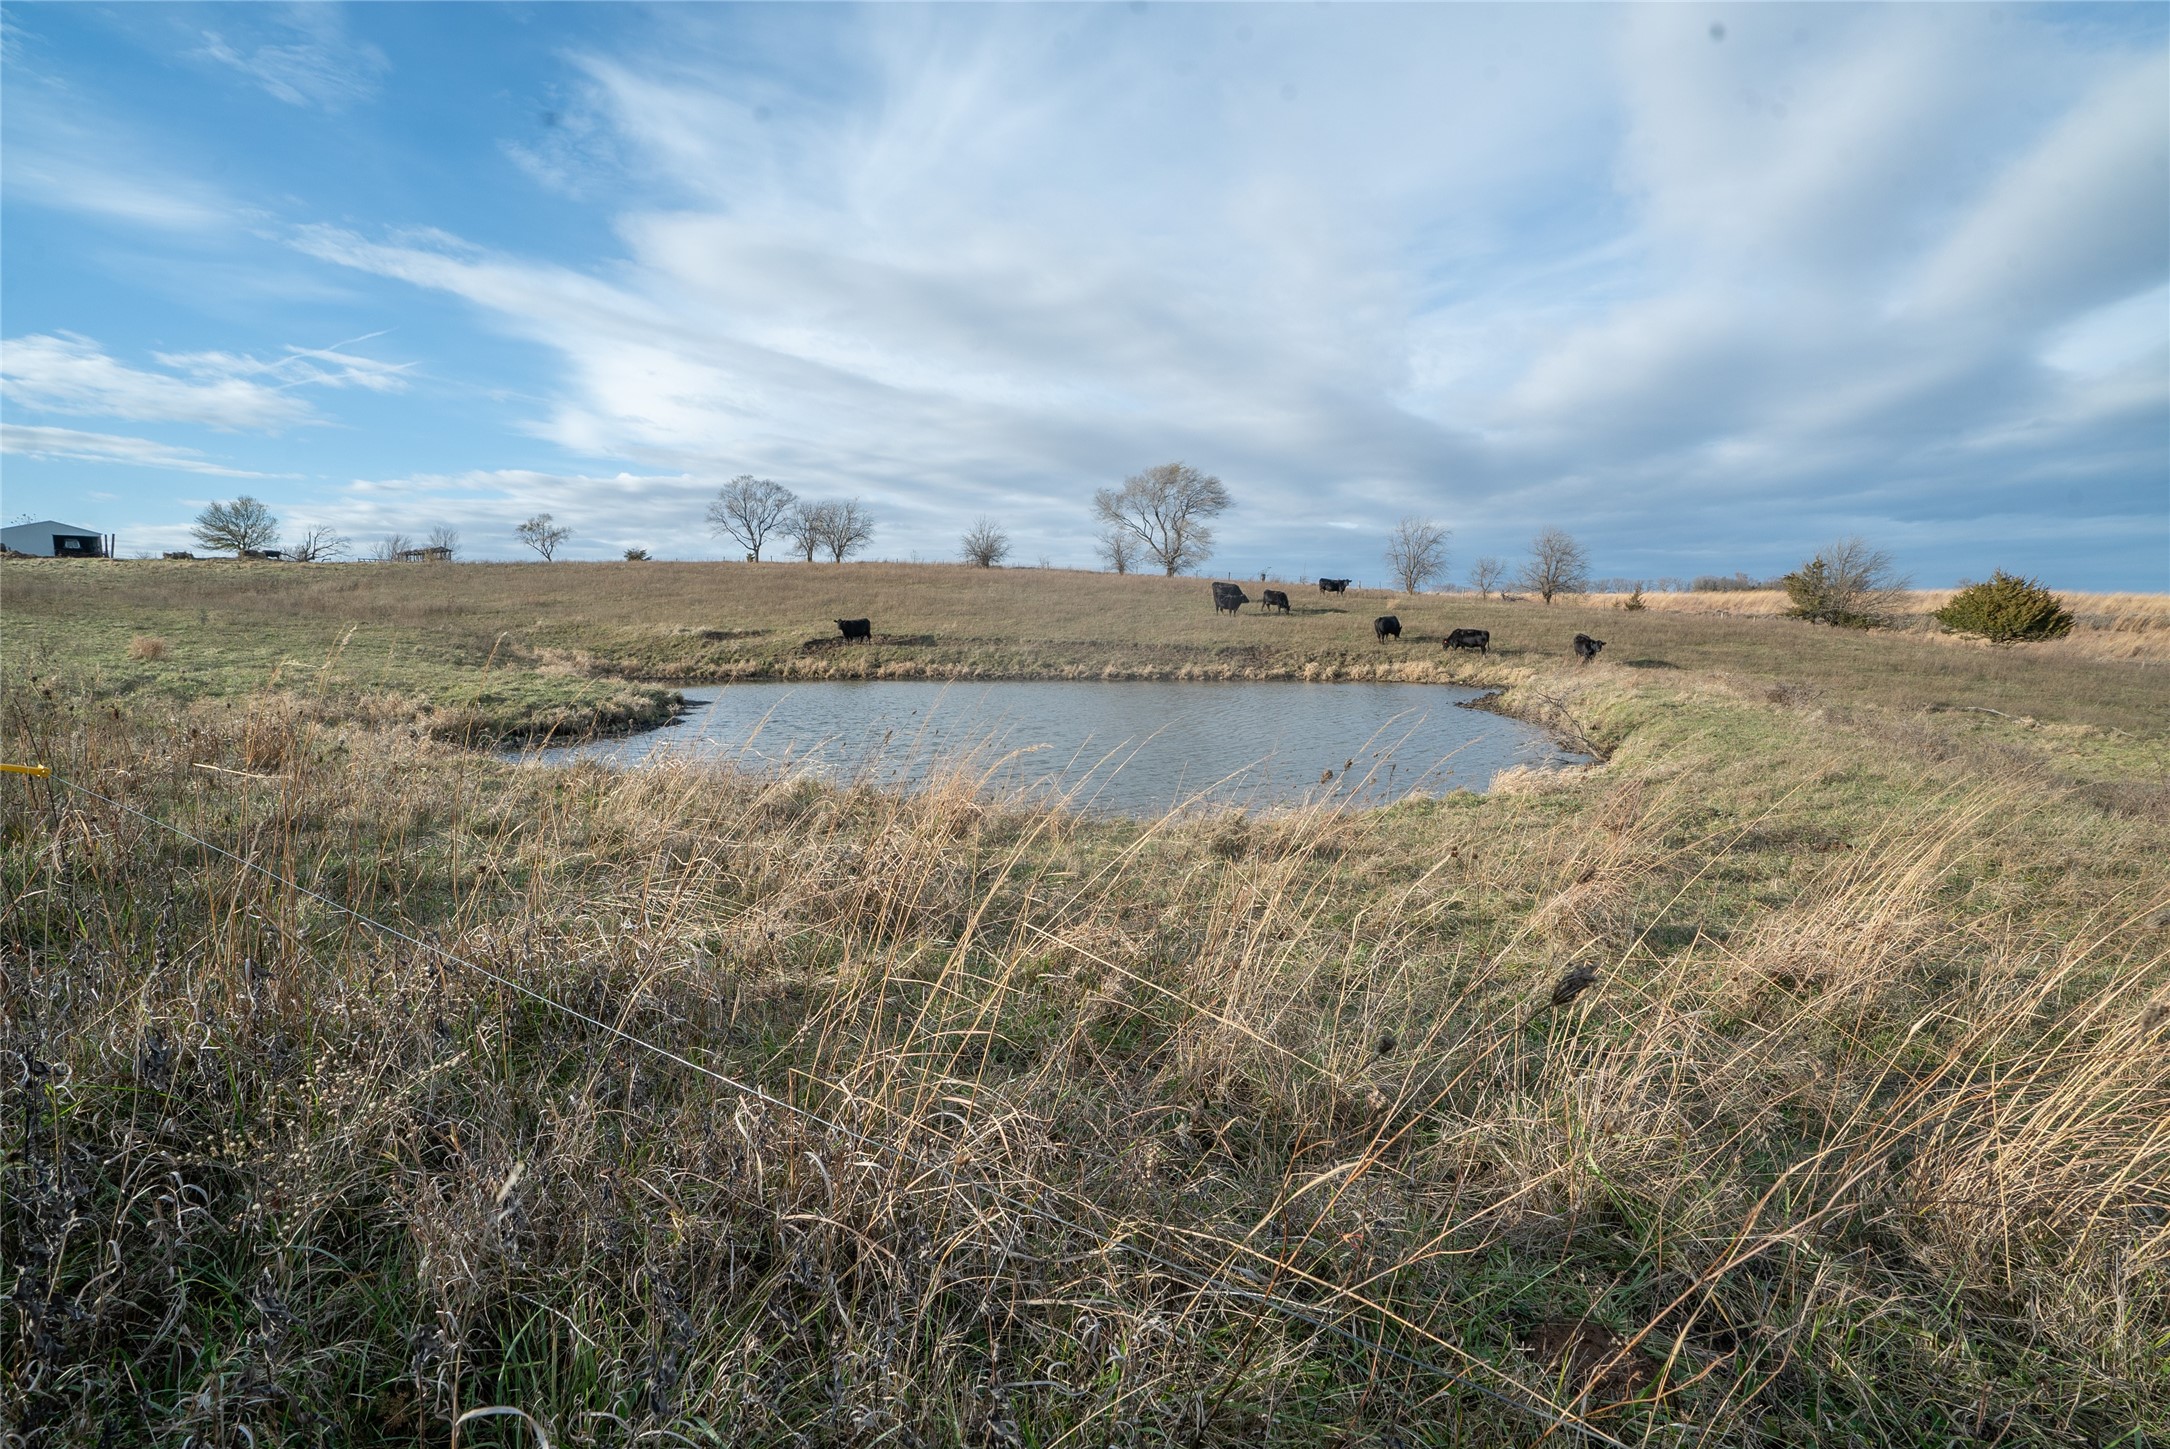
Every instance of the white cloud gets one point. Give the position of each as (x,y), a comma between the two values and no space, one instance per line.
(573,152)
(299,367)
(65,373)
(68,445)
(300,54)
(1507,265)
(2108,337)
(2082,219)
(61,154)
(232,392)
(606,512)
(161,203)
(1515,265)
(1856,233)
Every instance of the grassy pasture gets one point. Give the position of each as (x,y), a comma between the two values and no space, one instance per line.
(561,639)
(1859,1137)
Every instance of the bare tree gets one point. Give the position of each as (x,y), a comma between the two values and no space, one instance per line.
(1164,510)
(839,528)
(444,536)
(749,509)
(319,543)
(804,527)
(845,528)
(1416,553)
(1485,575)
(985,544)
(1850,583)
(1118,547)
(1557,565)
(242,526)
(543,535)
(390,547)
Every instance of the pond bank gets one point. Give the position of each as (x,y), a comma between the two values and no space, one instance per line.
(1121,746)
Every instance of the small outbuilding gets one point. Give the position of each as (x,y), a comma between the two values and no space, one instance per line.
(50,539)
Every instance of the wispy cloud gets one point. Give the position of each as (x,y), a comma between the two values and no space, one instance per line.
(63,154)
(68,445)
(65,373)
(300,54)
(1358,265)
(607,512)
(232,392)
(1706,284)
(298,367)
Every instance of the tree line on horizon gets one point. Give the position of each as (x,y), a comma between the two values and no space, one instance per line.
(1163,516)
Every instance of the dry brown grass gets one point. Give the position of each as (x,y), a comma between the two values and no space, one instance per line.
(2101,611)
(1859,1133)
(2132,628)
(542,630)
(146,647)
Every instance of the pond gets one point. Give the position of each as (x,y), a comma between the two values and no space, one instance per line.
(1129,748)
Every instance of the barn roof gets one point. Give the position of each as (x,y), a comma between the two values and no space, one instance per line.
(54,525)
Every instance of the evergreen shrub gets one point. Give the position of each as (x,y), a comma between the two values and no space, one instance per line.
(2006,610)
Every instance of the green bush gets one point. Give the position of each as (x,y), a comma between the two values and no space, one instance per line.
(2006,610)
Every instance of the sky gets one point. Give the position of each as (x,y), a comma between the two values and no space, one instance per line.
(1707,286)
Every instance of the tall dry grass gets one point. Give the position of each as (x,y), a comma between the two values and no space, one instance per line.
(2127,611)
(2124,627)
(1860,1131)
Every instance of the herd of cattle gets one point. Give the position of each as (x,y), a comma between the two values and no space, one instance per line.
(1229,598)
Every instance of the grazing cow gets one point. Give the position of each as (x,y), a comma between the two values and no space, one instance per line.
(1229,597)
(1276,599)
(1333,586)
(1384,625)
(856,629)
(1477,639)
(1586,648)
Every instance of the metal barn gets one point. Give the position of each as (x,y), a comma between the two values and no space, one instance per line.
(51,539)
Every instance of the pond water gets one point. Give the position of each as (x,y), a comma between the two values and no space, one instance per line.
(1125,748)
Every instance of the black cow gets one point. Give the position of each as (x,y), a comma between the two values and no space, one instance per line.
(1333,586)
(1586,648)
(1477,639)
(857,629)
(1276,599)
(1383,626)
(1229,597)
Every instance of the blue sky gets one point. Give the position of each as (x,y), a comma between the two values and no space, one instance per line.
(1706,285)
